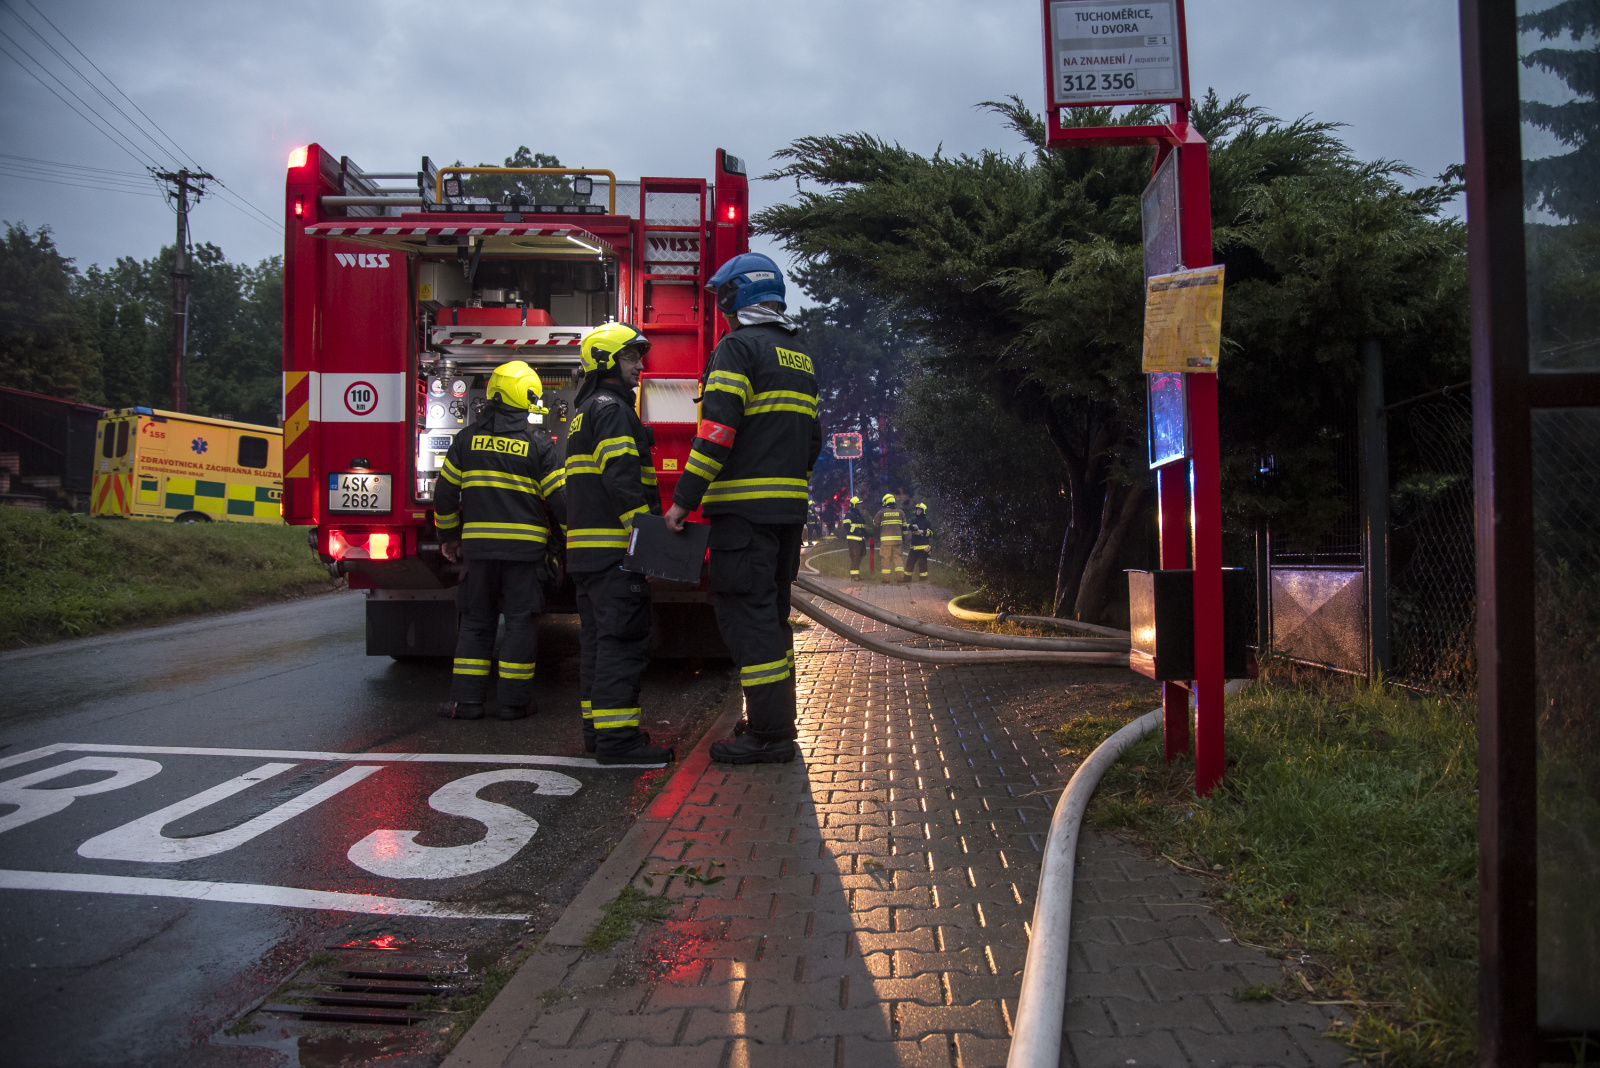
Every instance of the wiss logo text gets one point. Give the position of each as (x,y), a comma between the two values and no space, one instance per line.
(362,259)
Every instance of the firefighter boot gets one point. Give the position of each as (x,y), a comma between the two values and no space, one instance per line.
(636,749)
(461,710)
(748,749)
(523,711)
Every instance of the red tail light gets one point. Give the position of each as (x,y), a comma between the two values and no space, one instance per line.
(364,545)
(733,213)
(299,207)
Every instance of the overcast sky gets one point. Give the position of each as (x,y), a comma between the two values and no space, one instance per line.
(631,85)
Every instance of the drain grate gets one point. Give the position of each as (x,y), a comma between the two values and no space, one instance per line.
(385,987)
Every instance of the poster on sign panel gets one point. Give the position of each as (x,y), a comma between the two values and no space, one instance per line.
(1101,52)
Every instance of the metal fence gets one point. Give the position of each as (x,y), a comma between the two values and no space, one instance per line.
(1318,590)
(1432,585)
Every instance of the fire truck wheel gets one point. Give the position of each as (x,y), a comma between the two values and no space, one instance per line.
(193,517)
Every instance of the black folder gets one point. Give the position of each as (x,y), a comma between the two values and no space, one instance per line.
(654,550)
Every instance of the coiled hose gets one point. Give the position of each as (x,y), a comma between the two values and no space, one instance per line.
(956,609)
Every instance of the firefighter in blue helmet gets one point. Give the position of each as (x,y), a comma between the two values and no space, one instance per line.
(748,470)
(497,496)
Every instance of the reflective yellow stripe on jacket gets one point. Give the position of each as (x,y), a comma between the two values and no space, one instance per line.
(749,489)
(535,532)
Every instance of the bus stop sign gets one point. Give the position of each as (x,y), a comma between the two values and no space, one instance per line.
(1103,52)
(847,446)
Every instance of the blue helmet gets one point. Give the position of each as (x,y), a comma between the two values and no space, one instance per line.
(749,278)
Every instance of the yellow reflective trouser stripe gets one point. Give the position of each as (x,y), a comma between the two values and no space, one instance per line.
(782,400)
(745,489)
(854,537)
(465,666)
(588,710)
(509,670)
(889,538)
(762,674)
(507,531)
(703,465)
(597,538)
(605,718)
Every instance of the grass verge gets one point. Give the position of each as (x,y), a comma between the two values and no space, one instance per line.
(622,916)
(1344,837)
(66,576)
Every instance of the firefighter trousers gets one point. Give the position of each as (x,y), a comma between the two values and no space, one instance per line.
(889,559)
(917,559)
(752,566)
(489,589)
(858,549)
(614,650)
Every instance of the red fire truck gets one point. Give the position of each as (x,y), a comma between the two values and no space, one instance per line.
(399,299)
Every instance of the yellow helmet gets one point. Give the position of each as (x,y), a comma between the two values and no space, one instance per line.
(601,346)
(921,507)
(888,498)
(855,500)
(518,385)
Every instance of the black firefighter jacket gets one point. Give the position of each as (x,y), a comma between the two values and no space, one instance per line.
(610,478)
(759,435)
(500,488)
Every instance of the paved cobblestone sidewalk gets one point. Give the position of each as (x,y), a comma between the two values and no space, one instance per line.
(875,897)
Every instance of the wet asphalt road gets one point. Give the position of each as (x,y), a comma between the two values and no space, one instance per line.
(110,952)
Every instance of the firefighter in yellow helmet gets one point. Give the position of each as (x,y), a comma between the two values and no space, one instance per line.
(496,499)
(855,536)
(610,482)
(891,523)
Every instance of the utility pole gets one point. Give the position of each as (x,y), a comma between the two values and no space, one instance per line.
(181,188)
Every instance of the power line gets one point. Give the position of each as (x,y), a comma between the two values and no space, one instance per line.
(65,183)
(125,147)
(106,124)
(87,80)
(73,166)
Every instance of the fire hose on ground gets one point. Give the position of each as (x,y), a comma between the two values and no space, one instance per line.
(956,634)
(1106,658)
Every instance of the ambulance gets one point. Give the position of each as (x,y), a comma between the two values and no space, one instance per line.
(151,464)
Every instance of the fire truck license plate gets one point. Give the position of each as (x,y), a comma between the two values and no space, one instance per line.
(358,492)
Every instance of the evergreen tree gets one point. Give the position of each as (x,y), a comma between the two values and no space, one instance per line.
(1567,185)
(45,347)
(1023,277)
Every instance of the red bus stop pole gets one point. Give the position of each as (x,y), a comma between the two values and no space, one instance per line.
(1205,472)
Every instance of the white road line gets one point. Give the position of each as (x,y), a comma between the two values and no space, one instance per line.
(295,754)
(239,894)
